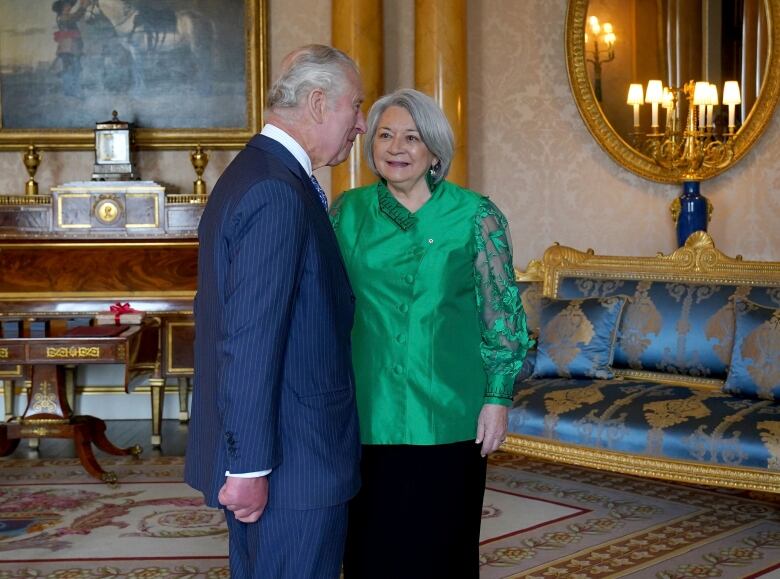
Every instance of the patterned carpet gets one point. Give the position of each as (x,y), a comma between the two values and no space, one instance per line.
(541,520)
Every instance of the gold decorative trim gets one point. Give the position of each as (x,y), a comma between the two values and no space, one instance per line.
(533,272)
(21,200)
(88,296)
(44,420)
(104,389)
(185,199)
(15,373)
(712,384)
(661,468)
(698,261)
(620,151)
(99,244)
(74,352)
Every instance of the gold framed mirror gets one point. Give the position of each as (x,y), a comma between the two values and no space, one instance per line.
(639,31)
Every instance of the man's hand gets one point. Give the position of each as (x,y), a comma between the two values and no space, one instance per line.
(245,497)
(491,427)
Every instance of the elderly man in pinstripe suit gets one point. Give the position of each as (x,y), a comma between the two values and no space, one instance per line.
(274,435)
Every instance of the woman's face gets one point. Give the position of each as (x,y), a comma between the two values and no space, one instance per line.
(400,156)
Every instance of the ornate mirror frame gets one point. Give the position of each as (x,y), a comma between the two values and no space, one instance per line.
(623,153)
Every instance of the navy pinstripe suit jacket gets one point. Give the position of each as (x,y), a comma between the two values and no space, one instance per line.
(273,384)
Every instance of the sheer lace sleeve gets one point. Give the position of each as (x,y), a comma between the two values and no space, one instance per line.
(505,338)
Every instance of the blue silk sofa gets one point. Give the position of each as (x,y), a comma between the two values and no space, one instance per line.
(672,404)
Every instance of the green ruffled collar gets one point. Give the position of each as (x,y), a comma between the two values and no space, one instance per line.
(397,213)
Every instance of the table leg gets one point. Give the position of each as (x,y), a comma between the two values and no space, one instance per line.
(157,386)
(97,432)
(8,397)
(184,386)
(82,439)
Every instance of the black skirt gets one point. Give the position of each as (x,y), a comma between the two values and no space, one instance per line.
(418,513)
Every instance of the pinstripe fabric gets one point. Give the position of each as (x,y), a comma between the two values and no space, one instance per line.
(273,384)
(294,544)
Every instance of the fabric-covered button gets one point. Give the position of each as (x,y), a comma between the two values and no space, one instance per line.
(403,308)
(398,369)
(400,338)
(409,278)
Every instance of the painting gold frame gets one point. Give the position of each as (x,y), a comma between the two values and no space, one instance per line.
(623,153)
(255,31)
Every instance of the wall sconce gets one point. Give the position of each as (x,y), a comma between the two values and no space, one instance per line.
(603,50)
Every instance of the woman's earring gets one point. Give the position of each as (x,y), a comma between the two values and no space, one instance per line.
(435,168)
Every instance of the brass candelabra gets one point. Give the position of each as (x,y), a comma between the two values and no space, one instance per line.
(695,153)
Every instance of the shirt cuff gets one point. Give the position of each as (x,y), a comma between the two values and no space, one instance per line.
(495,400)
(256,474)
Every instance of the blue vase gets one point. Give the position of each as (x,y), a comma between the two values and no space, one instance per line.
(693,212)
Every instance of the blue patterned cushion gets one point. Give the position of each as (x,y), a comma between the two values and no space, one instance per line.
(755,360)
(577,337)
(672,327)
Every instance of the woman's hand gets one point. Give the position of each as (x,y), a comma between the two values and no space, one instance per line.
(491,427)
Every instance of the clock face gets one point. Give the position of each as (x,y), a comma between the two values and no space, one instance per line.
(112,147)
(107,211)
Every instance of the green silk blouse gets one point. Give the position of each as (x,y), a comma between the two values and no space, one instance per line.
(439,326)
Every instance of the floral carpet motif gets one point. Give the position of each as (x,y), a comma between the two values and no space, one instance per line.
(55,521)
(540,520)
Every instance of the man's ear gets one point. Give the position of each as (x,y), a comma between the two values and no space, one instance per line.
(316,103)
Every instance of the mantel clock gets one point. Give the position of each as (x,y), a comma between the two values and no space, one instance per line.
(113,140)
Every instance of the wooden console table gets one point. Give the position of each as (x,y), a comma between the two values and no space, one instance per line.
(72,278)
(48,413)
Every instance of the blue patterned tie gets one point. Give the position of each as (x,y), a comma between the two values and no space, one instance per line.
(320,191)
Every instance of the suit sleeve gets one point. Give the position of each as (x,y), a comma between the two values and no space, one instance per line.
(265,240)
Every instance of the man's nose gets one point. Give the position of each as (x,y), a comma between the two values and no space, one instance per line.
(361,123)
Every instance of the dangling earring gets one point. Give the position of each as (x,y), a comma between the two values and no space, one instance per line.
(435,168)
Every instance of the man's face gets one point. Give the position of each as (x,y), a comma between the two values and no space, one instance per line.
(344,121)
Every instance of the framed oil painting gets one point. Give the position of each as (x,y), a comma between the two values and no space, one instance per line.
(182,71)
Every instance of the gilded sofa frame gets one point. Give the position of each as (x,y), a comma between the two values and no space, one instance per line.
(698,261)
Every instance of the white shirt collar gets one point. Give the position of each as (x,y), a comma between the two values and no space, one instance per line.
(284,139)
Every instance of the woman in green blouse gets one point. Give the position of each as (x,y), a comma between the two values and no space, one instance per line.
(439,337)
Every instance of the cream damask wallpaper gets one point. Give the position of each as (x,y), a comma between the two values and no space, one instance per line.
(529,149)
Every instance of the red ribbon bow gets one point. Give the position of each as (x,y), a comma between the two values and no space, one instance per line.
(119,308)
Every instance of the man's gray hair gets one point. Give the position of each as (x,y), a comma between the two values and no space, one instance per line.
(431,123)
(308,68)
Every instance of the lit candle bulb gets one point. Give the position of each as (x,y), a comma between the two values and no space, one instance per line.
(701,98)
(635,98)
(654,95)
(731,97)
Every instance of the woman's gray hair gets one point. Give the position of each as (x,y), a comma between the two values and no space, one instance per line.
(308,68)
(431,123)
